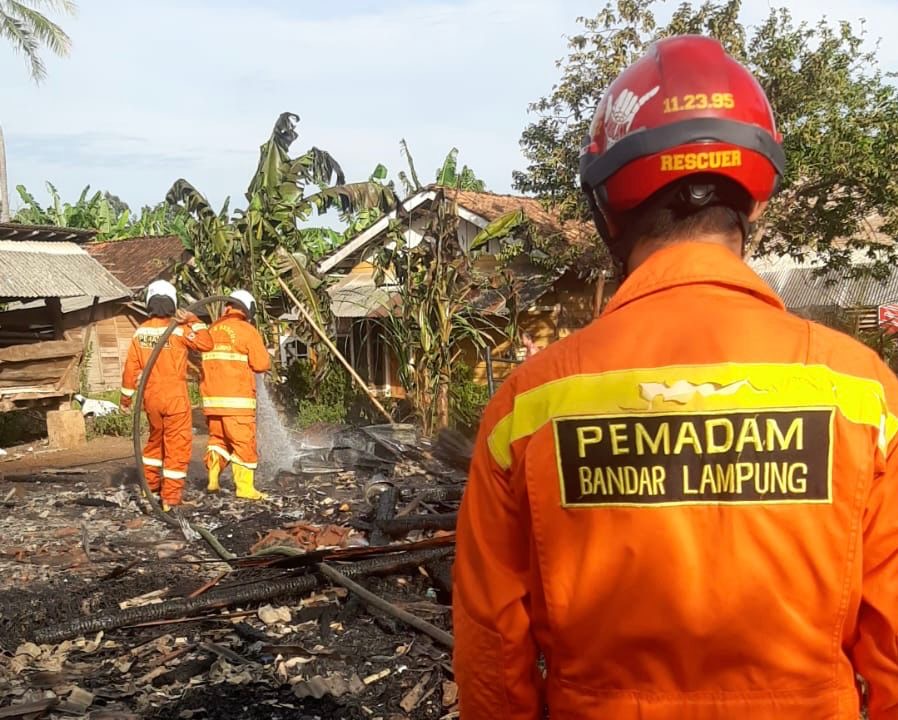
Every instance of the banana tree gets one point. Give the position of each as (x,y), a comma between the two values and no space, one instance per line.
(236,249)
(447,174)
(443,304)
(106,214)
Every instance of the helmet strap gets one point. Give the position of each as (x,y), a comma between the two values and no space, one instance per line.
(618,250)
(684,198)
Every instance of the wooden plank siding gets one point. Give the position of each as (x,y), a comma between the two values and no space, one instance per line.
(571,305)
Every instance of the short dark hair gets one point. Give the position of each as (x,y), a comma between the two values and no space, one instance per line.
(668,215)
(160,306)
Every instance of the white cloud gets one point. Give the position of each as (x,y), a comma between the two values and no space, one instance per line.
(154,91)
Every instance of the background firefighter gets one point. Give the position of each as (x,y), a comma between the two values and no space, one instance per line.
(690,507)
(229,395)
(166,454)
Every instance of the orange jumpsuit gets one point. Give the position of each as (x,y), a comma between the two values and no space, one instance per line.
(690,509)
(229,389)
(166,454)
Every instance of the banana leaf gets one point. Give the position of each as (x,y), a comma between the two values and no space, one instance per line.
(352,197)
(446,175)
(500,228)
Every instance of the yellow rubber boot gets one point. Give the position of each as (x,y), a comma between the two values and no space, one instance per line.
(243,481)
(214,474)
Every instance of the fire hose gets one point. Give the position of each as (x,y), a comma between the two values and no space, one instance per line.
(174,521)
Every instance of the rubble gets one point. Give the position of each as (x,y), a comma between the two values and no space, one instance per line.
(105,612)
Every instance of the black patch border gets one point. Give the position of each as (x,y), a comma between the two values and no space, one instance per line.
(679,503)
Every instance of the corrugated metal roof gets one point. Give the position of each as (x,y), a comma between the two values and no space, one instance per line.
(806,287)
(53,269)
(68,305)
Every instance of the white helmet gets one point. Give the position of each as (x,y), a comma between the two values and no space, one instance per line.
(163,288)
(245,299)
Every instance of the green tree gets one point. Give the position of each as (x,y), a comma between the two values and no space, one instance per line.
(236,249)
(835,107)
(109,216)
(28,30)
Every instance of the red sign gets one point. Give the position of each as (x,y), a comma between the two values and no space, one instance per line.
(888,318)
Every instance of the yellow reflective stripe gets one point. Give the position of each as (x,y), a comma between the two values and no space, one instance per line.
(229,402)
(218,355)
(174,474)
(127,392)
(150,331)
(219,451)
(151,462)
(237,461)
(179,331)
(678,388)
(199,326)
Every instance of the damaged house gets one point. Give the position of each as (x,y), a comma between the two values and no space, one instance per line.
(98,303)
(135,263)
(551,304)
(51,291)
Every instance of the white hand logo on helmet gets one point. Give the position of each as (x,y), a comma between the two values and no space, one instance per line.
(621,111)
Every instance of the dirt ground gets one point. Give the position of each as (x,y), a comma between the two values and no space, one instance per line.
(76,540)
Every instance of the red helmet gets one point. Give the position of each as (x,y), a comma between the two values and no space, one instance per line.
(685,108)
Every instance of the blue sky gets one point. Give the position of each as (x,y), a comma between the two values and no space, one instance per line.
(190,88)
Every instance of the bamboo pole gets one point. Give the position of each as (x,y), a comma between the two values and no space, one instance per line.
(330,345)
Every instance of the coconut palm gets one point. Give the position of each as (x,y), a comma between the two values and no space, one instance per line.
(25,26)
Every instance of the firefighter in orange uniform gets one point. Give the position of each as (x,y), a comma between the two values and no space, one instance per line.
(166,402)
(229,395)
(688,509)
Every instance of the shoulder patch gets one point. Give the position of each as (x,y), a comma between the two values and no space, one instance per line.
(771,456)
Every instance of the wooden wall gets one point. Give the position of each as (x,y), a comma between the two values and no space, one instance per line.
(570,305)
(107,349)
(38,371)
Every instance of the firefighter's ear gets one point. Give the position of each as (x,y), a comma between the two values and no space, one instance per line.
(757,211)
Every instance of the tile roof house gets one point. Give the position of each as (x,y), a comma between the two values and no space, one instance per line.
(136,262)
(555,303)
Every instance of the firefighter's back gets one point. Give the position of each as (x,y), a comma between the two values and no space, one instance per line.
(166,387)
(228,386)
(697,493)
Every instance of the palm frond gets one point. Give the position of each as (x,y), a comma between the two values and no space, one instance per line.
(500,228)
(23,43)
(295,267)
(318,166)
(184,195)
(44,30)
(406,184)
